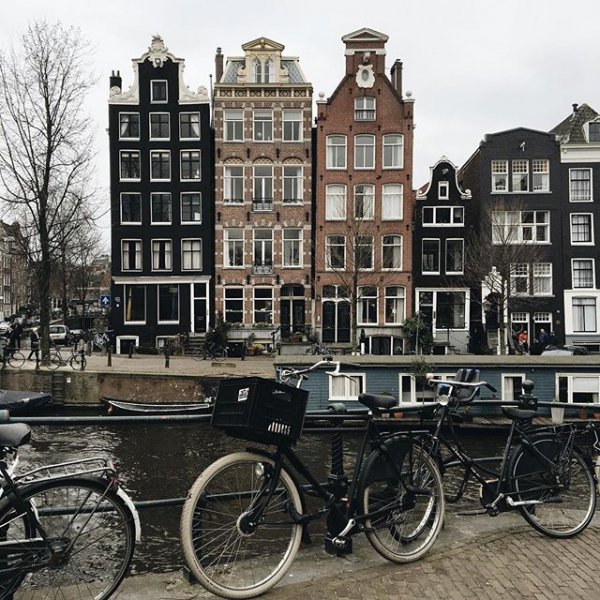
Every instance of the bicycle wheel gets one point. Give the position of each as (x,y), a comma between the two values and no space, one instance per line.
(197,354)
(564,492)
(52,361)
(91,541)
(226,554)
(78,362)
(16,360)
(406,501)
(219,354)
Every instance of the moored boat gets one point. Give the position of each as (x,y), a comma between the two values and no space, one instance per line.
(156,408)
(23,402)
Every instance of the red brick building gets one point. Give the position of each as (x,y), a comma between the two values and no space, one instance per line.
(364,202)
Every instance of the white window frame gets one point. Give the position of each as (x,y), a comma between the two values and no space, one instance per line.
(573,197)
(159,139)
(591,229)
(359,242)
(540,167)
(143,321)
(194,137)
(361,299)
(443,190)
(336,201)
(329,245)
(264,117)
(507,388)
(351,384)
(333,152)
(594,313)
(387,197)
(163,152)
(512,227)
(299,120)
(399,318)
(263,187)
(439,257)
(368,202)
(540,273)
(123,221)
(365,108)
(589,261)
(137,137)
(293,242)
(190,152)
(152,221)
(237,126)
(447,255)
(519,171)
(264,244)
(196,255)
(139,161)
(454,212)
(520,272)
(362,152)
(499,173)
(228,181)
(236,299)
(227,241)
(156,255)
(399,145)
(170,321)
(571,380)
(297,181)
(139,257)
(152,82)
(194,221)
(393,246)
(270,320)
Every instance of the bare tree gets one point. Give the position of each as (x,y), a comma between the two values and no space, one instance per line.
(498,260)
(45,144)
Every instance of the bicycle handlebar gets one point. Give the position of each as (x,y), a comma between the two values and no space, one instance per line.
(286,374)
(450,383)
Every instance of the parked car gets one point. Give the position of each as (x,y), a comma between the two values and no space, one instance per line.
(60,335)
(565,351)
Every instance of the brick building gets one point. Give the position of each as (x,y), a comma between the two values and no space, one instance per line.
(364,199)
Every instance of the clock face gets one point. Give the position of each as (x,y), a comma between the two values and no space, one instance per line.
(365,78)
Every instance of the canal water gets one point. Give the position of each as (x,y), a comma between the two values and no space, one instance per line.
(161,460)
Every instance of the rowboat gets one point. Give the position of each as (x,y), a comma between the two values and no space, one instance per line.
(156,408)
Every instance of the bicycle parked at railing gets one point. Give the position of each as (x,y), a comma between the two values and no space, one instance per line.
(318,348)
(66,530)
(212,351)
(12,357)
(246,514)
(54,359)
(541,473)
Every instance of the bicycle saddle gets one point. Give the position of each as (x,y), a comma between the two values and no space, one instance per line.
(518,413)
(14,435)
(377,401)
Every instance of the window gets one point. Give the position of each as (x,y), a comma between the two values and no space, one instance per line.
(541,175)
(160,165)
(363,252)
(367,305)
(130,165)
(131,255)
(191,207)
(364,152)
(517,227)
(499,176)
(189,126)
(391,252)
(160,126)
(263,251)
(431,257)
(584,315)
(191,255)
(129,126)
(519,279)
(578,388)
(131,208)
(263,125)
(336,152)
(263,305)
(234,305)
(594,132)
(393,146)
(292,247)
(450,310)
(292,184)
(292,125)
(444,215)
(233,190)
(158,91)
(190,165)
(364,109)
(168,303)
(443,190)
(580,185)
(161,208)
(335,252)
(346,386)
(520,175)
(135,304)
(234,248)
(364,202)
(455,262)
(542,279)
(394,305)
(391,201)
(582,273)
(162,255)
(335,203)
(233,125)
(262,72)
(263,187)
(581,229)
(512,387)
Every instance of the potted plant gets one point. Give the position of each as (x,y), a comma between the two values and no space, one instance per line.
(250,349)
(557,412)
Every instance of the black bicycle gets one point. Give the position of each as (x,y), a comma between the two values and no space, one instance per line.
(210,350)
(246,514)
(542,472)
(66,530)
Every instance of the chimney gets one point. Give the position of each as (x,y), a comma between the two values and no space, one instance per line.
(218,66)
(396,75)
(115,80)
(575,107)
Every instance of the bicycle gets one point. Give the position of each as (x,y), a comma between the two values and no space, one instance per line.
(246,515)
(212,351)
(541,473)
(317,348)
(13,358)
(66,530)
(54,359)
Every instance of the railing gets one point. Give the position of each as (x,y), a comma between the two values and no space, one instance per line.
(364,115)
(262,204)
(262,269)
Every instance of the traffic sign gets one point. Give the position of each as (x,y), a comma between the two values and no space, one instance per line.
(104,300)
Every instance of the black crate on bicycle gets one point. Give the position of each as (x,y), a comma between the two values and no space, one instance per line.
(260,410)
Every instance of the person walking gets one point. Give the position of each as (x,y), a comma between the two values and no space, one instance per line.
(543,338)
(34,341)
(18,329)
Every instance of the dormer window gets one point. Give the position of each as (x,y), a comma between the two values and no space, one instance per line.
(443,190)
(262,70)
(594,132)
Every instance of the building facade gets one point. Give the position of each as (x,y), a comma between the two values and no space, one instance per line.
(263,200)
(161,203)
(13,271)
(362,237)
(579,136)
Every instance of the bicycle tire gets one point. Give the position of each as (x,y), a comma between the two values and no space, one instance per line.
(52,361)
(564,509)
(16,360)
(224,560)
(198,354)
(94,529)
(408,499)
(219,354)
(78,362)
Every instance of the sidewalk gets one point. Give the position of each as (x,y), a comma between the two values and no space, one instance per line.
(475,557)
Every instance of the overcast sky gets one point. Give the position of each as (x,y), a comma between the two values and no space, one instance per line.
(473,66)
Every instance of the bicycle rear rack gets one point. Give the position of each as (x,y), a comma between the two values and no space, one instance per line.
(95,465)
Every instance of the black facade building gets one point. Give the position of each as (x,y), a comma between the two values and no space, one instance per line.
(514,177)
(442,220)
(161,169)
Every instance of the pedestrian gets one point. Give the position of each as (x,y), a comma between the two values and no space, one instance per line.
(552,339)
(9,348)
(543,338)
(523,340)
(18,329)
(34,342)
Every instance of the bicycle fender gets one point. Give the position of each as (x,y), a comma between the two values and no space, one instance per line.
(381,464)
(134,513)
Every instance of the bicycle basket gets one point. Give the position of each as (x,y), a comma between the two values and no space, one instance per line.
(260,410)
